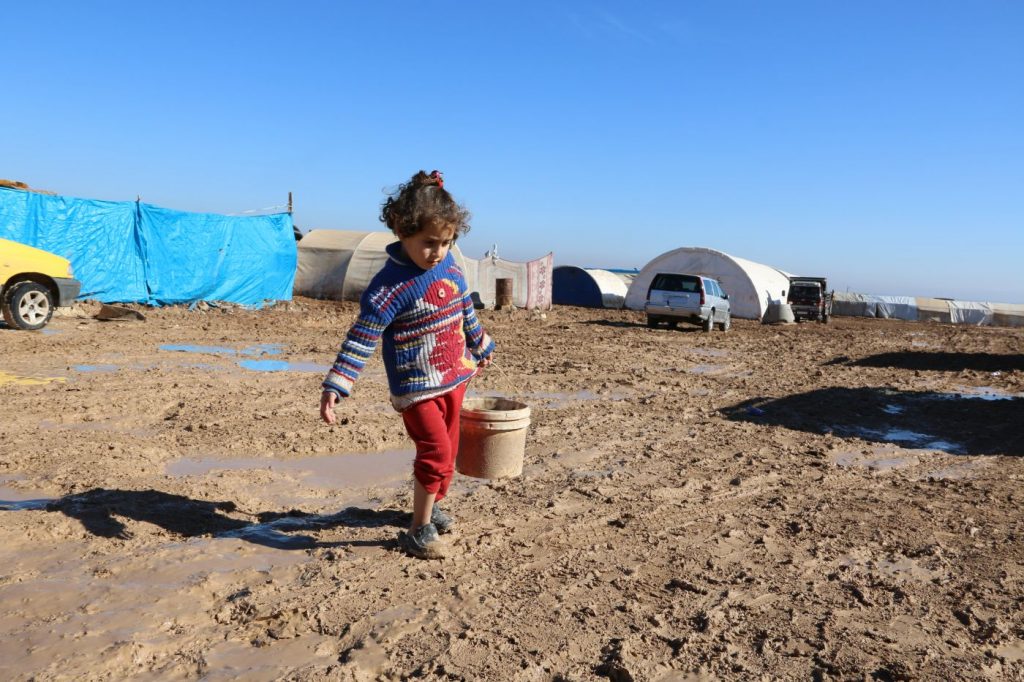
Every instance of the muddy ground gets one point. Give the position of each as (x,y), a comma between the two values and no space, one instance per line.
(810,501)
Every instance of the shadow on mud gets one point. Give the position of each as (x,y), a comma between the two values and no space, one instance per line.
(938,361)
(954,423)
(98,510)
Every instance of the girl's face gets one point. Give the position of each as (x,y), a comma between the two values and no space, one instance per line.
(430,245)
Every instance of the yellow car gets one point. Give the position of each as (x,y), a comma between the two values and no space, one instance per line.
(32,283)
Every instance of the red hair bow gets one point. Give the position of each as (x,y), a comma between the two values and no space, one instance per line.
(437,175)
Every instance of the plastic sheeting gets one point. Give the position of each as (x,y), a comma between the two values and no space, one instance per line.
(925,309)
(853,305)
(531,280)
(751,286)
(970,312)
(896,307)
(133,252)
(586,287)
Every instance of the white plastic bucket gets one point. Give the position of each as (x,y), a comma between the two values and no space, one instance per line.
(492,437)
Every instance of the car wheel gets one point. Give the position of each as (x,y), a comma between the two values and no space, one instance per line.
(709,323)
(726,323)
(672,324)
(27,305)
(652,322)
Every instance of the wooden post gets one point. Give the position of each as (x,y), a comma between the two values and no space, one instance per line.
(502,293)
(289,203)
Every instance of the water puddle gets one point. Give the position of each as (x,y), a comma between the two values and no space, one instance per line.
(705,369)
(240,660)
(901,437)
(876,459)
(329,471)
(984,393)
(920,439)
(250,351)
(15,499)
(73,610)
(283,366)
(894,566)
(95,368)
(710,352)
(969,468)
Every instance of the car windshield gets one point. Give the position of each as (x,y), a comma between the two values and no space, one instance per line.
(668,282)
(806,291)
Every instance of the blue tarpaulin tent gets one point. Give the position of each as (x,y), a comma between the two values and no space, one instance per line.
(587,287)
(126,251)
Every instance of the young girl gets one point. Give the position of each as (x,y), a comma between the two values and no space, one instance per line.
(433,343)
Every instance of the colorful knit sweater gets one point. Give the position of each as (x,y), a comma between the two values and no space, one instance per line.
(432,337)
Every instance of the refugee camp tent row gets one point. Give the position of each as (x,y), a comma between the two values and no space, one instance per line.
(131,252)
(587,287)
(339,264)
(751,286)
(928,309)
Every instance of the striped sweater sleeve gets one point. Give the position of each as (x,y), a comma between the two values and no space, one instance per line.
(478,341)
(361,340)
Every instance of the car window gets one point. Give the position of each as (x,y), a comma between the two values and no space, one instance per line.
(718,289)
(671,282)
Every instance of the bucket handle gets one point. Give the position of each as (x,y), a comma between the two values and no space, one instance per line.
(503,378)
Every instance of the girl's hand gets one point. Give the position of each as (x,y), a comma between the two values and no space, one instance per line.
(486,362)
(327,402)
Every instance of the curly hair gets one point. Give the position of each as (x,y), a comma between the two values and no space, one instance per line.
(420,202)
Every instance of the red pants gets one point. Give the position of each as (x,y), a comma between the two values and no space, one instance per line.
(434,426)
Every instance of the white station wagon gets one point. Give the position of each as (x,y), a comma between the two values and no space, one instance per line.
(675,297)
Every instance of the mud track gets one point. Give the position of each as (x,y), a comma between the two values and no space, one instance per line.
(804,502)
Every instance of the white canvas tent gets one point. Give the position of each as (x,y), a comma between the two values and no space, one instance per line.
(339,264)
(751,286)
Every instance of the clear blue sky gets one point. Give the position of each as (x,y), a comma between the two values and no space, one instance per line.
(878,143)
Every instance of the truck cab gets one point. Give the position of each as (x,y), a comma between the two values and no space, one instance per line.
(810,298)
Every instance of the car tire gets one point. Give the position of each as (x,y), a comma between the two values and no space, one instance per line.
(709,324)
(672,324)
(27,305)
(726,323)
(652,322)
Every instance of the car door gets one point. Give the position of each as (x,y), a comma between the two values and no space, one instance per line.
(712,294)
(724,301)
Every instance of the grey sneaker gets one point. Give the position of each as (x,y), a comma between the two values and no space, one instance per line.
(442,521)
(422,543)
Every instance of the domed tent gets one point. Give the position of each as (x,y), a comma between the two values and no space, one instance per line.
(751,286)
(587,287)
(339,264)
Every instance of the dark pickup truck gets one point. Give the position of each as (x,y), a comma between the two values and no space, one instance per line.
(810,298)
